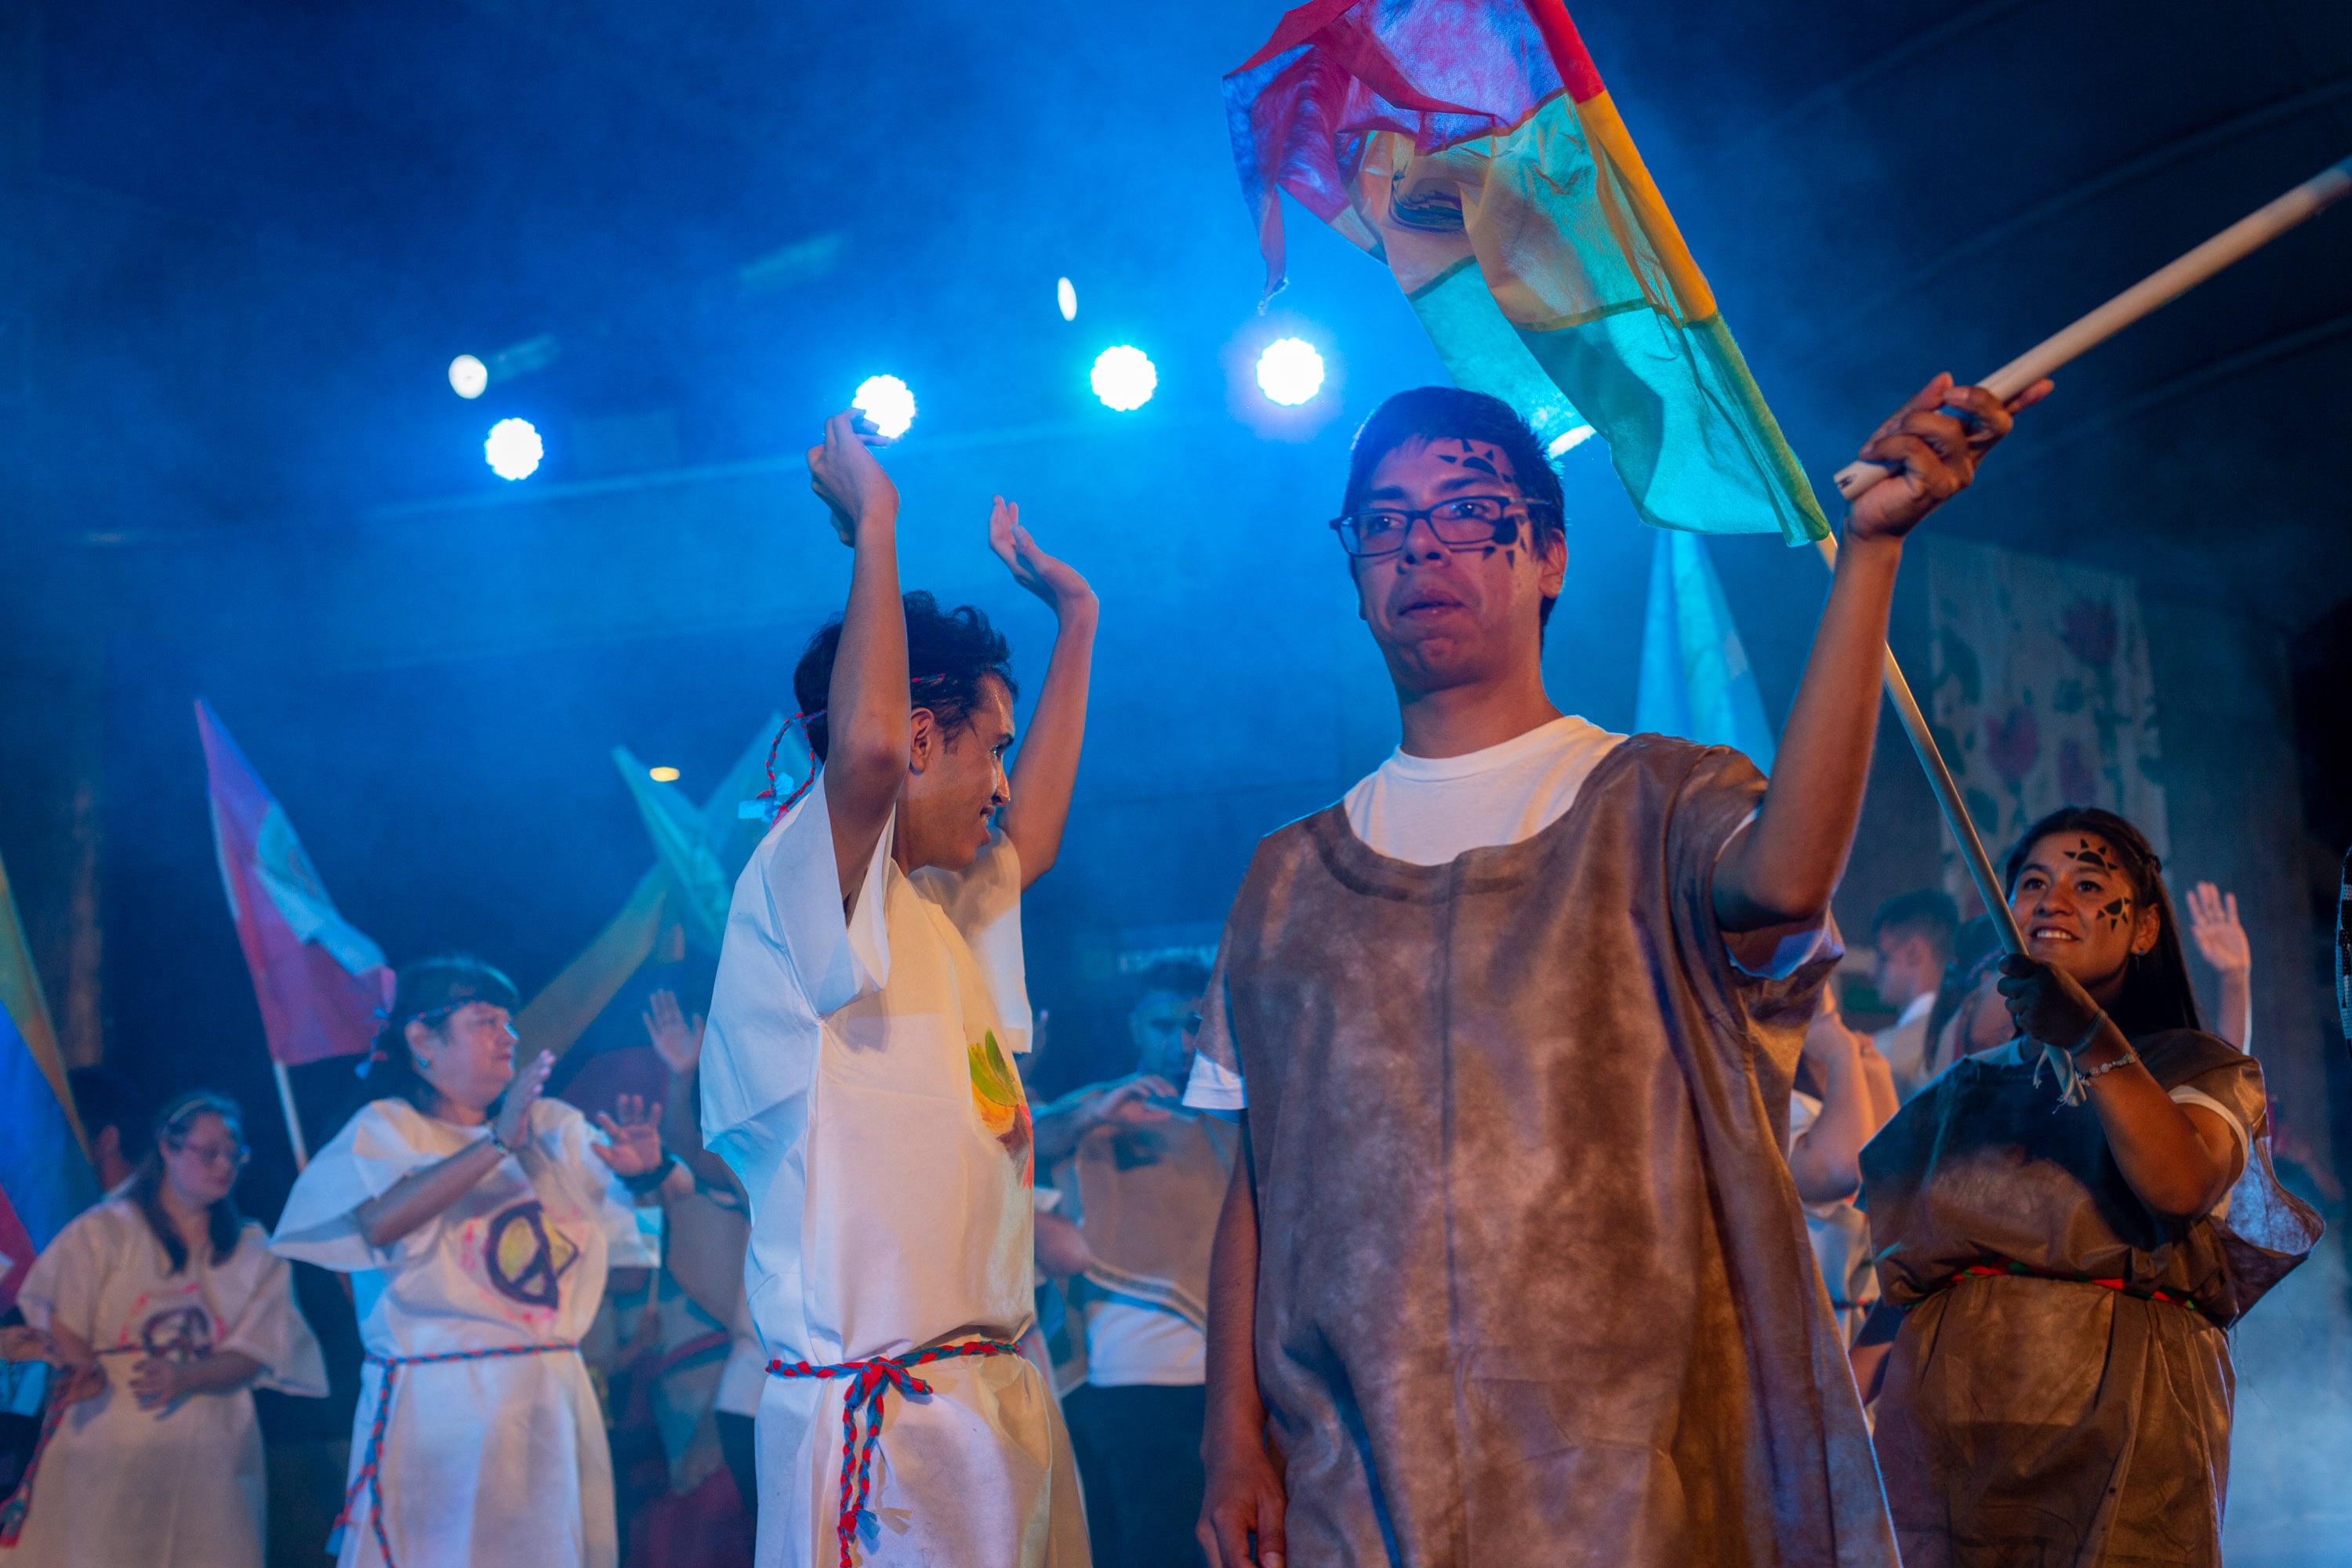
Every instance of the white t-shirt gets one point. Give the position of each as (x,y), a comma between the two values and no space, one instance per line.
(1427,811)
(1129,1343)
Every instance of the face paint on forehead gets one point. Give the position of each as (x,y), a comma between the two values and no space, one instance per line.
(2085,854)
(1479,458)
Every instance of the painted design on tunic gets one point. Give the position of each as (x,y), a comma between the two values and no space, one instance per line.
(526,1258)
(1003,1108)
(178,1333)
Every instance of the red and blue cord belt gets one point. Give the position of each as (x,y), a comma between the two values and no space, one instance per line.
(372,1457)
(871,1381)
(1996,1268)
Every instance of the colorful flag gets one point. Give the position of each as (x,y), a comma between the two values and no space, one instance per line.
(45,1175)
(1471,145)
(321,984)
(702,848)
(1695,682)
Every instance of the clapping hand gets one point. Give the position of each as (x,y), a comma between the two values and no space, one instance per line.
(513,1125)
(677,1040)
(1051,580)
(2213,922)
(634,1132)
(843,474)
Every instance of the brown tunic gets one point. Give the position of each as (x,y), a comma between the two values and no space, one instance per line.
(1533,1282)
(2033,1421)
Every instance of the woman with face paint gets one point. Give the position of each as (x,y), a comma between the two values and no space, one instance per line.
(160,1310)
(477,1223)
(2068,1254)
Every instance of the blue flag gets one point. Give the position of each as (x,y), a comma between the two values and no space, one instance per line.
(1695,682)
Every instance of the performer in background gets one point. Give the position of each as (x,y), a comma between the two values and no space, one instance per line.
(857,1070)
(1142,1180)
(1514,1269)
(1911,943)
(2060,1390)
(478,1222)
(1854,1095)
(164,1308)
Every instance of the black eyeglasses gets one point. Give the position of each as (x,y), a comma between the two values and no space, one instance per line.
(1462,520)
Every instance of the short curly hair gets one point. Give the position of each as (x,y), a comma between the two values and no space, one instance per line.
(950,655)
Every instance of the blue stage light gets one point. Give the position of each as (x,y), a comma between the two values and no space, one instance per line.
(1289,371)
(1124,378)
(886,400)
(468,376)
(514,449)
(1065,295)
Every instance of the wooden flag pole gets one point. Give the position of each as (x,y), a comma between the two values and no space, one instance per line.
(1948,792)
(293,1121)
(2241,239)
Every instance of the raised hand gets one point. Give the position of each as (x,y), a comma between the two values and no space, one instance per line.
(1051,580)
(1128,1103)
(844,476)
(2213,921)
(513,1125)
(1933,453)
(677,1040)
(636,1134)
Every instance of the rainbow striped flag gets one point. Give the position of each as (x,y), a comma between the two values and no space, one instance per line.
(45,1175)
(1471,145)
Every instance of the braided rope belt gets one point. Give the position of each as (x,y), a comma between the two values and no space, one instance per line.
(371,1456)
(869,1381)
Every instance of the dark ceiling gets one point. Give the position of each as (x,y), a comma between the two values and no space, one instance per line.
(273,221)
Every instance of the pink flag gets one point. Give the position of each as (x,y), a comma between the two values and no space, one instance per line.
(321,982)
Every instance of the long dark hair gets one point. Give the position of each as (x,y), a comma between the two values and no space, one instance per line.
(2156,994)
(222,1221)
(428,990)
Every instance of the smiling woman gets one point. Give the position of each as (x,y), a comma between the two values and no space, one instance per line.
(2092,1249)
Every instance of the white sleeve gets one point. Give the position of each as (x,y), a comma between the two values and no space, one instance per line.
(272,1330)
(2184,1095)
(1215,1086)
(60,1290)
(983,903)
(791,957)
(371,1154)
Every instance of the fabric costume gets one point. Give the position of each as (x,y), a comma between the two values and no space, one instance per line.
(2026,1419)
(856,1077)
(182,1486)
(1533,1278)
(493,1447)
(1147,1198)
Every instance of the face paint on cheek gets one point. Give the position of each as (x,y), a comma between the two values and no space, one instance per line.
(2115,913)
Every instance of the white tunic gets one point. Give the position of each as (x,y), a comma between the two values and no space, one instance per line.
(176,1487)
(857,1077)
(496,1460)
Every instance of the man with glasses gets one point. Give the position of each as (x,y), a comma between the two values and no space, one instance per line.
(1513,1269)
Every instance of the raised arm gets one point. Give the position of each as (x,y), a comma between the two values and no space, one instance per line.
(1781,869)
(2213,922)
(1826,1158)
(1047,767)
(869,722)
(423,1194)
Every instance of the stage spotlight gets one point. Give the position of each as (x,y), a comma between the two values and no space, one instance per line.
(1065,295)
(885,400)
(468,376)
(1124,378)
(1567,441)
(662,775)
(1290,371)
(514,449)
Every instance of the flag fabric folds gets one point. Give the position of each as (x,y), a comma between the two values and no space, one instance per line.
(45,1175)
(1472,146)
(1695,682)
(321,984)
